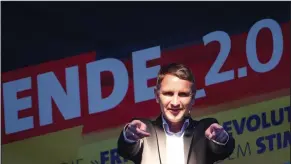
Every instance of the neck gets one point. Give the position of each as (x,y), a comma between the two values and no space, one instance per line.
(175,127)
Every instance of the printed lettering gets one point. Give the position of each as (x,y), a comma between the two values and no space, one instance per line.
(141,74)
(246,150)
(265,123)
(68,102)
(239,127)
(12,105)
(96,102)
(104,157)
(257,120)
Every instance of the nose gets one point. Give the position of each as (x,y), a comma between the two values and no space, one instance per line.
(175,103)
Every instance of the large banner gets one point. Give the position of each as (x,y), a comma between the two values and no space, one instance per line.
(72,111)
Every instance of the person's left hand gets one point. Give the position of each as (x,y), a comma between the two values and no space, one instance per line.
(216,132)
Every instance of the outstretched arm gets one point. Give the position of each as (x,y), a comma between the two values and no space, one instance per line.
(220,143)
(130,142)
(128,150)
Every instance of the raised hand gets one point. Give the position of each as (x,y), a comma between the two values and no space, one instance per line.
(216,132)
(136,130)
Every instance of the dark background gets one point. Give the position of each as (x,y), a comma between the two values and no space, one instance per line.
(36,32)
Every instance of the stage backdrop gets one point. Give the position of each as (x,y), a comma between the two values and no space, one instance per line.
(71,111)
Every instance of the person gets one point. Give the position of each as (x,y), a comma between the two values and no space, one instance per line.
(174,137)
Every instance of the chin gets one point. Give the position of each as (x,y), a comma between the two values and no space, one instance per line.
(175,118)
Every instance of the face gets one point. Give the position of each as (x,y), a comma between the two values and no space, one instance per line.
(175,98)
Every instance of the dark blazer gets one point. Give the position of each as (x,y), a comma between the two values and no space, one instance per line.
(198,149)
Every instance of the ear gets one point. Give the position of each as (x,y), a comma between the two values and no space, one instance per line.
(156,95)
(193,100)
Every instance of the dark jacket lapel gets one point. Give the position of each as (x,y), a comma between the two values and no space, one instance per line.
(188,137)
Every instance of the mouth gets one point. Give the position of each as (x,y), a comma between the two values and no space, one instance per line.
(175,111)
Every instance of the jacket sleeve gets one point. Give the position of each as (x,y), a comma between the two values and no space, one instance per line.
(219,151)
(130,150)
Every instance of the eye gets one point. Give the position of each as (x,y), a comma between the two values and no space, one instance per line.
(184,94)
(168,93)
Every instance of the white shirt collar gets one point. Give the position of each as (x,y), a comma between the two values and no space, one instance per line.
(178,134)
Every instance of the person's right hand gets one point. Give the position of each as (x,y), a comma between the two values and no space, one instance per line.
(136,130)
